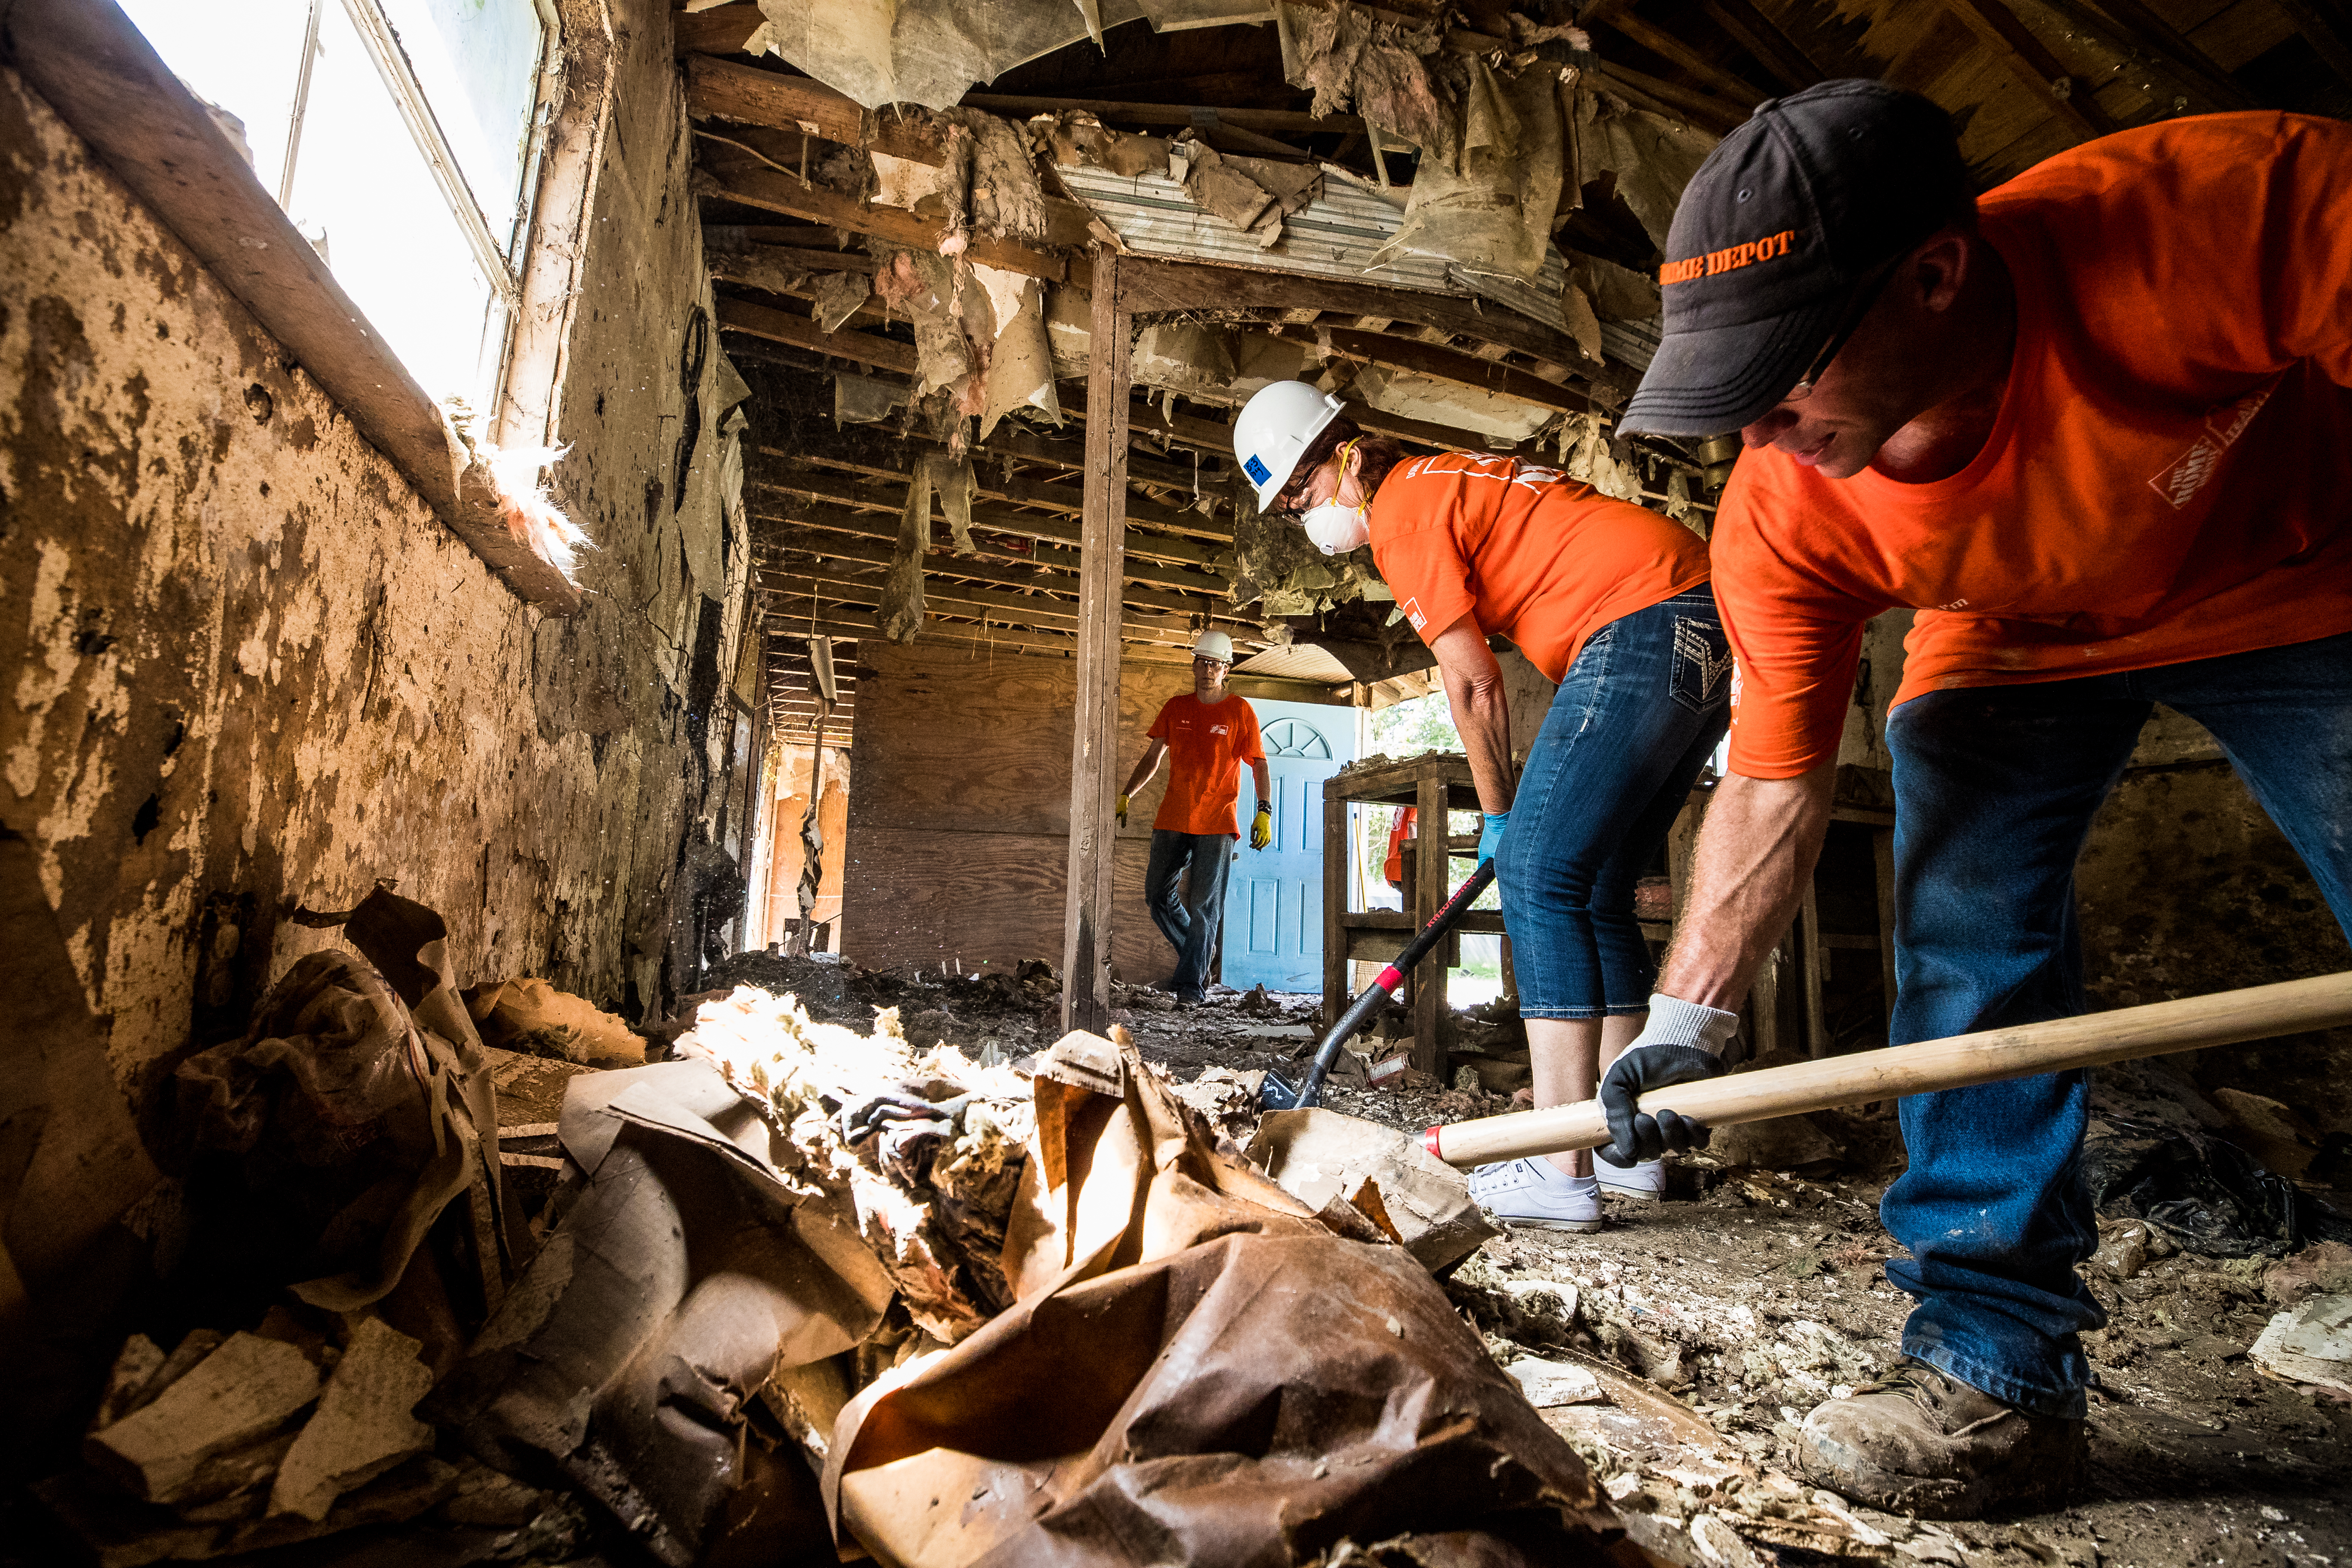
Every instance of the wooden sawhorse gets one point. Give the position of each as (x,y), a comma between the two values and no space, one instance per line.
(1433,785)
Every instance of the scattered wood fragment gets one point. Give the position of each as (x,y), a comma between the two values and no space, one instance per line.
(242,1391)
(364,1425)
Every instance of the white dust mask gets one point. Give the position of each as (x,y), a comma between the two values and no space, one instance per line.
(1337,529)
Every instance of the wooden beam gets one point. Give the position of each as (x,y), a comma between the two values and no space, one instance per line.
(850,621)
(721,30)
(1763,37)
(1045,527)
(836,535)
(1203,434)
(2168,55)
(2325,32)
(1154,286)
(1178,115)
(1006,609)
(1675,101)
(2031,63)
(782,327)
(1667,47)
(730,90)
(1464,370)
(796,472)
(1094,747)
(750,183)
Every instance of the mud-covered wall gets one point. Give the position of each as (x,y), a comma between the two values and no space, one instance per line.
(252,672)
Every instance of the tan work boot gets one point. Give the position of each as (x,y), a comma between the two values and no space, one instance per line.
(1920,1442)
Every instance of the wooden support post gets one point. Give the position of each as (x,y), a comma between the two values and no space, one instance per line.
(1094,747)
(1431,892)
(1881,844)
(1764,1006)
(1338,987)
(1810,953)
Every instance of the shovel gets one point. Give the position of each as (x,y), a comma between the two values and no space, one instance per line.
(2092,1039)
(1276,1094)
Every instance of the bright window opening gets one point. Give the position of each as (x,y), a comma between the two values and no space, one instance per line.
(401,137)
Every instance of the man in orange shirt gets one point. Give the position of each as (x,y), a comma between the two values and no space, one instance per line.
(2094,428)
(1209,733)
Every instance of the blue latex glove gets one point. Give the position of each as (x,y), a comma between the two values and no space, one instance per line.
(1490,837)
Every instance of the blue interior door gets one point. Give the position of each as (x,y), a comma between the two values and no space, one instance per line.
(1273,897)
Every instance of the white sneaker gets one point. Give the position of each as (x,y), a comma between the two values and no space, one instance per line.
(1644,1184)
(1536,1192)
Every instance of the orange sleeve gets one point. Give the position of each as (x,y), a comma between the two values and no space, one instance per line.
(1797,641)
(1248,745)
(1423,566)
(1158,731)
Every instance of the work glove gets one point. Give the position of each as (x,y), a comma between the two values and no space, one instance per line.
(1262,827)
(1490,837)
(1682,1043)
(1122,811)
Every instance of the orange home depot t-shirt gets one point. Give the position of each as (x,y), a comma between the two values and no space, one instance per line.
(2169,474)
(1536,557)
(1206,747)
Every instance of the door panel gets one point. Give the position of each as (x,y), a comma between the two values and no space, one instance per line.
(1273,898)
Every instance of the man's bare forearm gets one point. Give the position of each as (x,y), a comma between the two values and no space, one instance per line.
(1145,766)
(1759,844)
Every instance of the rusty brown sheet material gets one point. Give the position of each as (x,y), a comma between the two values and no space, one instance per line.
(1198,1370)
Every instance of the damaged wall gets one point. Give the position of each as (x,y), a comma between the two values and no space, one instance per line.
(960,825)
(257,673)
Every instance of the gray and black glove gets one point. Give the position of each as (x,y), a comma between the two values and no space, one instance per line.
(1682,1043)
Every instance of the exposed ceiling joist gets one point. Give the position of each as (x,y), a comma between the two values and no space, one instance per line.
(1006,609)
(2029,60)
(741,179)
(993,486)
(783,475)
(841,534)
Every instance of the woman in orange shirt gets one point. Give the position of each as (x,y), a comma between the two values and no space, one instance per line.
(1612,603)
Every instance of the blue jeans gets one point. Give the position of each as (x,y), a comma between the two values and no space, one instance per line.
(1995,789)
(1640,710)
(1188,915)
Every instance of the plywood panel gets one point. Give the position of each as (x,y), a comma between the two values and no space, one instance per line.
(946,740)
(984,900)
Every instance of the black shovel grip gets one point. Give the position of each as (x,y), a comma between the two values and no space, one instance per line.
(1376,995)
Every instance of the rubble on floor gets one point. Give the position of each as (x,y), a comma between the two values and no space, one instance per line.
(851,1243)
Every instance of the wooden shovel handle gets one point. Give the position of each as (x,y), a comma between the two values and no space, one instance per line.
(2224,1018)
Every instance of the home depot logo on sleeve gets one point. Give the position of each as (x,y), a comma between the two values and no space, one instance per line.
(1411,608)
(2224,423)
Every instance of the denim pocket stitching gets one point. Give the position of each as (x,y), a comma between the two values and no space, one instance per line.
(1695,643)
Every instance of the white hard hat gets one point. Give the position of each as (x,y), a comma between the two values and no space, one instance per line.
(1216,646)
(1275,427)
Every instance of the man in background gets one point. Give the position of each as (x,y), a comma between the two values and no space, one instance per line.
(1210,732)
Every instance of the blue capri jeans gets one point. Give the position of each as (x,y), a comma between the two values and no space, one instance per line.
(1642,709)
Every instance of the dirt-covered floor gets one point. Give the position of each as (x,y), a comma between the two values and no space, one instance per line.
(1756,1293)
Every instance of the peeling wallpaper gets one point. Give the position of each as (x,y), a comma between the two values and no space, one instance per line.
(256,671)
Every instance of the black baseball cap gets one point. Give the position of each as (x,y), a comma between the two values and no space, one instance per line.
(1775,239)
